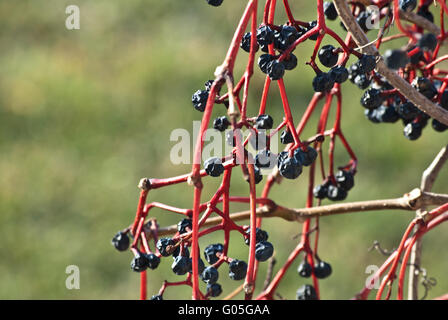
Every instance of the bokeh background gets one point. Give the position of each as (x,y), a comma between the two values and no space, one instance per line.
(84,114)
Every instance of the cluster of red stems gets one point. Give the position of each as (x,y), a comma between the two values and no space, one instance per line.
(236,102)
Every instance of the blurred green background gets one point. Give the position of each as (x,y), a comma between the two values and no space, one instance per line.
(84,114)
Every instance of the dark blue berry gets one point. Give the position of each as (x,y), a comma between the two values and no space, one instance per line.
(263,250)
(322,82)
(320,191)
(396,59)
(264,121)
(407,111)
(290,168)
(181,265)
(330,11)
(327,56)
(290,62)
(214,290)
(183,225)
(338,74)
(140,262)
(322,270)
(221,124)
(335,193)
(371,99)
(286,137)
(210,252)
(345,179)
(213,167)
(371,115)
(165,246)
(428,41)
(438,126)
(210,275)
(276,70)
(425,87)
(307,157)
(245,42)
(306,292)
(153,261)
(201,266)
(366,63)
(215,3)
(208,85)
(237,269)
(304,269)
(287,36)
(265,35)
(362,20)
(413,130)
(260,235)
(121,241)
(199,100)
(264,62)
(362,81)
(387,114)
(310,26)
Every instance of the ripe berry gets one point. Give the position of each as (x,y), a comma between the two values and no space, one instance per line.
(164,245)
(215,3)
(264,62)
(438,126)
(424,12)
(345,179)
(304,269)
(265,35)
(387,114)
(327,56)
(210,275)
(412,130)
(201,266)
(366,63)
(322,82)
(237,269)
(213,167)
(408,111)
(140,262)
(335,193)
(290,168)
(210,252)
(320,191)
(286,137)
(425,87)
(362,19)
(287,36)
(371,99)
(322,270)
(306,292)
(265,159)
(153,261)
(307,157)
(121,241)
(362,81)
(263,250)
(290,62)
(310,26)
(428,41)
(330,11)
(258,176)
(221,124)
(214,290)
(245,42)
(183,225)
(199,100)
(260,235)
(276,70)
(264,121)
(338,74)
(407,5)
(181,265)
(396,59)
(156,297)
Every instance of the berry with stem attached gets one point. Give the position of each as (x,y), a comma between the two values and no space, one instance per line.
(121,241)
(184,225)
(181,265)
(307,157)
(327,56)
(153,261)
(263,250)
(330,11)
(289,167)
(286,137)
(221,124)
(237,269)
(338,74)
(322,269)
(322,82)
(214,290)
(336,193)
(164,245)
(260,235)
(210,252)
(304,269)
(210,275)
(213,167)
(371,99)
(199,100)
(140,262)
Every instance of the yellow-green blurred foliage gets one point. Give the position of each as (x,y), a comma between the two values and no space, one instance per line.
(84,114)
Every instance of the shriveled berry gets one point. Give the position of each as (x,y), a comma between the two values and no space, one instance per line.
(140,262)
(260,235)
(320,191)
(288,35)
(407,5)
(327,56)
(210,275)
(164,245)
(153,261)
(237,269)
(156,297)
(338,74)
(210,252)
(335,193)
(345,179)
(330,11)
(121,241)
(412,130)
(213,167)
(290,62)
(289,168)
(306,292)
(387,114)
(425,87)
(265,159)
(396,59)
(304,269)
(264,62)
(183,225)
(438,126)
(362,81)
(322,82)
(199,100)
(371,99)
(322,270)
(306,158)
(221,124)
(263,250)
(366,63)
(246,41)
(265,35)
(264,121)
(215,3)
(428,41)
(214,290)
(286,137)
(408,111)
(181,265)
(276,70)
